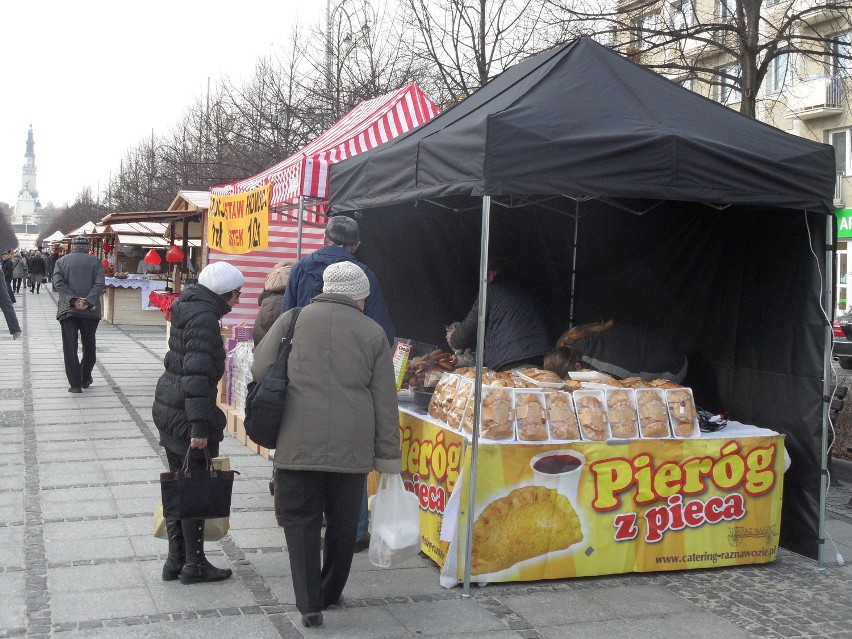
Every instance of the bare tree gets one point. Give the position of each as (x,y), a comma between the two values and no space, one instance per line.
(735,50)
(468,42)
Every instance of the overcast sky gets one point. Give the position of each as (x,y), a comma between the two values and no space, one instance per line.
(93,77)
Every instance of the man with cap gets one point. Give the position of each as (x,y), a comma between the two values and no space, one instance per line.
(340,422)
(185,410)
(79,280)
(342,239)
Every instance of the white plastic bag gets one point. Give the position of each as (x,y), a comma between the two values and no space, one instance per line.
(395,536)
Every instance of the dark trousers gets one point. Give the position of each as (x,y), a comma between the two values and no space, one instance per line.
(16,283)
(11,290)
(304,496)
(75,370)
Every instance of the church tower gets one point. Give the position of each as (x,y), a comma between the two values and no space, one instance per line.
(28,177)
(27,208)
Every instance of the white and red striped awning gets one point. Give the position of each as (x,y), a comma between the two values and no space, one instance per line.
(305,173)
(368,125)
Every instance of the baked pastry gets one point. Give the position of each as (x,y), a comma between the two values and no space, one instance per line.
(497,415)
(592,418)
(563,421)
(442,398)
(653,421)
(455,413)
(542,375)
(529,411)
(622,415)
(526,523)
(682,411)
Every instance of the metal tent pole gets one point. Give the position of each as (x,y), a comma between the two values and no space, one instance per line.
(828,303)
(477,388)
(574,262)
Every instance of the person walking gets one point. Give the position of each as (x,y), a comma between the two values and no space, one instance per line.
(185,410)
(8,270)
(51,263)
(9,313)
(79,281)
(38,271)
(342,239)
(19,272)
(271,299)
(340,422)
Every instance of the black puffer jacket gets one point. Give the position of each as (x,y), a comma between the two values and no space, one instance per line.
(185,398)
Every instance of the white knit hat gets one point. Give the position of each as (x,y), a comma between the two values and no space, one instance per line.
(221,277)
(347,279)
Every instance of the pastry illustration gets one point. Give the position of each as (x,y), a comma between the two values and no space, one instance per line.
(526,523)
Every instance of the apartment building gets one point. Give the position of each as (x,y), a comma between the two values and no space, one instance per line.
(807,89)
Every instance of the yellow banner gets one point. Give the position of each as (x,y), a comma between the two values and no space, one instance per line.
(239,223)
(551,511)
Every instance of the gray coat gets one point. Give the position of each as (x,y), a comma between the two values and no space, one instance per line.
(78,274)
(341,413)
(20,267)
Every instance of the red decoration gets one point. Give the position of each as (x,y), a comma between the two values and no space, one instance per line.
(91,252)
(107,247)
(106,263)
(175,254)
(152,257)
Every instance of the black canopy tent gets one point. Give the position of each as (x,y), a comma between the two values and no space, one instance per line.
(668,210)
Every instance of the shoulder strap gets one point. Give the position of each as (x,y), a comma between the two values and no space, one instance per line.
(289,335)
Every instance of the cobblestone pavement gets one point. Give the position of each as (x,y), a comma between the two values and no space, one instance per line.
(78,481)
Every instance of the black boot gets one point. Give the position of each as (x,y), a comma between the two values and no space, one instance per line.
(197,568)
(177,550)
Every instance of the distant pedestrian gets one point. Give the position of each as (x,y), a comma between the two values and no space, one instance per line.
(19,271)
(339,423)
(271,299)
(38,271)
(79,280)
(9,313)
(51,263)
(8,270)
(185,410)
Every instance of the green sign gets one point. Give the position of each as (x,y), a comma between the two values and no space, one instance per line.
(844,223)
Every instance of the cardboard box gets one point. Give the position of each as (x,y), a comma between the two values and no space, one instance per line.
(221,391)
(239,427)
(267,453)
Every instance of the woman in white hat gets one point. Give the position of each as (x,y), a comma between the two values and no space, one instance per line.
(185,410)
(340,422)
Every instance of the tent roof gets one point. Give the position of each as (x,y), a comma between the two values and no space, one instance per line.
(582,121)
(369,124)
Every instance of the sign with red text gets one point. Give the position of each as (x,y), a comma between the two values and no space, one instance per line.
(239,223)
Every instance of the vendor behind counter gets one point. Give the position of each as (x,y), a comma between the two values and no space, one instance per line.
(621,351)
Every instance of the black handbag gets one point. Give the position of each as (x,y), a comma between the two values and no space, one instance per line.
(197,493)
(265,400)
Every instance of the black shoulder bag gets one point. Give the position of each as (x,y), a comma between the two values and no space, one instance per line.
(265,401)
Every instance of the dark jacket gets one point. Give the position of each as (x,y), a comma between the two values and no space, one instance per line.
(9,310)
(78,274)
(514,331)
(38,268)
(8,269)
(628,351)
(51,263)
(185,397)
(305,283)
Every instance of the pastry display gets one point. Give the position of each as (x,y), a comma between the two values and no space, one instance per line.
(528,522)
(497,414)
(425,371)
(621,413)
(561,417)
(653,421)
(591,415)
(530,416)
(443,396)
(682,412)
(456,411)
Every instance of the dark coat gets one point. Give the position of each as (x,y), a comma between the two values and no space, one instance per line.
(514,331)
(185,397)
(38,268)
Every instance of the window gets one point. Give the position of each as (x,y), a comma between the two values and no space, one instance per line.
(647,29)
(840,140)
(839,52)
(728,89)
(726,9)
(683,14)
(779,73)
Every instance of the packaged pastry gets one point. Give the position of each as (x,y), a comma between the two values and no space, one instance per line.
(591,413)
(497,414)
(621,411)
(653,419)
(682,413)
(442,398)
(530,416)
(560,416)
(540,377)
(456,411)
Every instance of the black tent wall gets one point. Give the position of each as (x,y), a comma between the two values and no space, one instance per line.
(738,289)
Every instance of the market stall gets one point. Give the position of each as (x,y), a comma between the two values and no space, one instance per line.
(127,301)
(619,194)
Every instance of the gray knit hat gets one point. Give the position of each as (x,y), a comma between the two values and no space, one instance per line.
(347,279)
(80,240)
